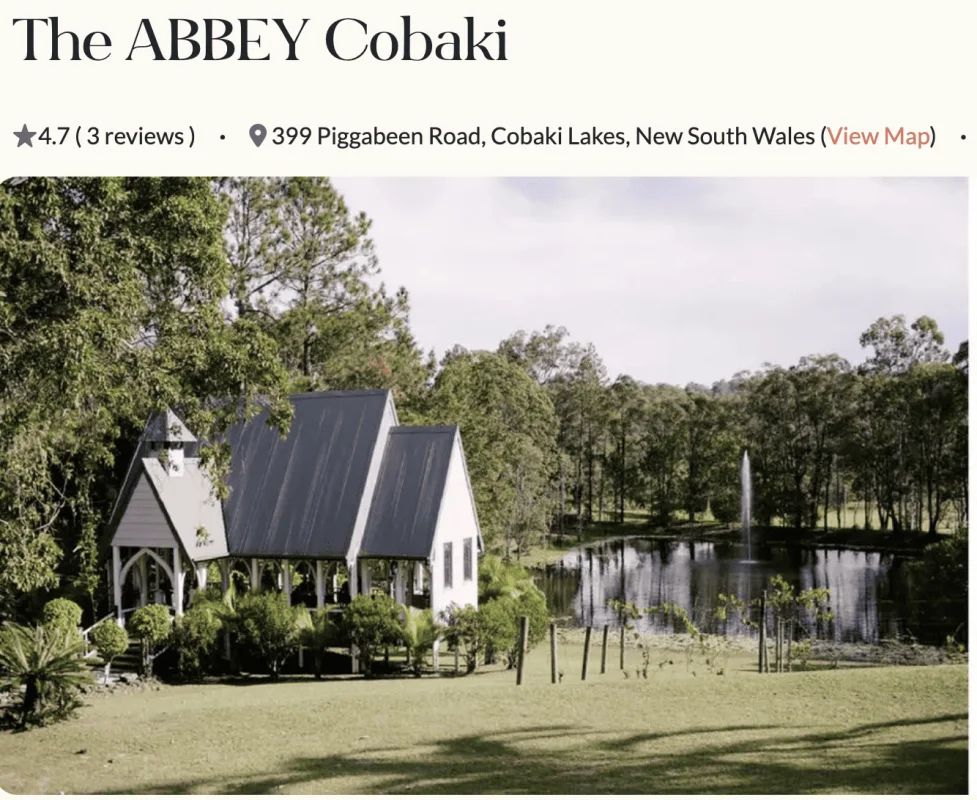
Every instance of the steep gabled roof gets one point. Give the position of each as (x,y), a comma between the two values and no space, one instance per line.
(300,496)
(192,508)
(407,499)
(165,426)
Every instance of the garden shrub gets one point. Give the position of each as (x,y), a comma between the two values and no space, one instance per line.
(483,632)
(372,622)
(62,613)
(195,637)
(151,624)
(65,615)
(497,630)
(110,641)
(463,628)
(45,662)
(532,604)
(267,623)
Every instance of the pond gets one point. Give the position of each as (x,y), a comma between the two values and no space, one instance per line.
(871,593)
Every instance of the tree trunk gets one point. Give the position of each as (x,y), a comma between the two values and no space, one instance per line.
(623,474)
(827,497)
(31,698)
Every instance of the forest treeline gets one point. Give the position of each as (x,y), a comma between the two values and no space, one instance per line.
(220,297)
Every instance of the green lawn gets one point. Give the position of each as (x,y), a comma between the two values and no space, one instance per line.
(887,729)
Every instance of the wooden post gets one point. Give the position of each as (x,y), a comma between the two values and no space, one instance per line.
(603,652)
(225,569)
(763,633)
(320,585)
(287,580)
(622,647)
(523,642)
(586,654)
(143,580)
(177,582)
(117,584)
(554,668)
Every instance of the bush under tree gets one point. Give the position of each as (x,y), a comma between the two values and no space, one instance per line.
(195,637)
(266,623)
(372,622)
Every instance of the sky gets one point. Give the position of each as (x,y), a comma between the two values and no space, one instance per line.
(674,280)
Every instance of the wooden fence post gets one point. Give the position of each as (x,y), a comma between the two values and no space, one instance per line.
(586,654)
(523,641)
(622,647)
(603,652)
(761,656)
(554,668)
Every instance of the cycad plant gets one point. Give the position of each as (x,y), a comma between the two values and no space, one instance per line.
(45,661)
(496,578)
(420,633)
(322,632)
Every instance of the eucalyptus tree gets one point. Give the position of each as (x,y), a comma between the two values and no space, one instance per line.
(911,420)
(509,431)
(663,424)
(626,405)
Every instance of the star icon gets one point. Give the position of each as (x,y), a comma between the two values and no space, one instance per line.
(25,136)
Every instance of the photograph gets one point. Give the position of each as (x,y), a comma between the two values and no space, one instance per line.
(484,485)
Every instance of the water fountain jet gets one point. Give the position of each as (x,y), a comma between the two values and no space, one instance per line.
(746,504)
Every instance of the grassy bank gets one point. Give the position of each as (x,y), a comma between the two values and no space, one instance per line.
(886,729)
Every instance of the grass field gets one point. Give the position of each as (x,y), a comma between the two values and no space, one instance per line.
(879,730)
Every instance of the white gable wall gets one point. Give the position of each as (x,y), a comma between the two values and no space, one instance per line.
(143,523)
(456,523)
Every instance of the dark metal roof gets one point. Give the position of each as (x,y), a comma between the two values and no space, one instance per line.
(300,496)
(407,498)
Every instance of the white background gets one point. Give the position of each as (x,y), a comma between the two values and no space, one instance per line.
(610,64)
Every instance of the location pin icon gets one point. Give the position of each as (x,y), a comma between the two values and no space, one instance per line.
(258,133)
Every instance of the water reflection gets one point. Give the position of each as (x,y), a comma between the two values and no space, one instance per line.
(870,592)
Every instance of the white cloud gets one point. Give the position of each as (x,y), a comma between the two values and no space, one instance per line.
(673,280)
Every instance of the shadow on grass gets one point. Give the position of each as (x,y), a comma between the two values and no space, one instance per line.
(884,757)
